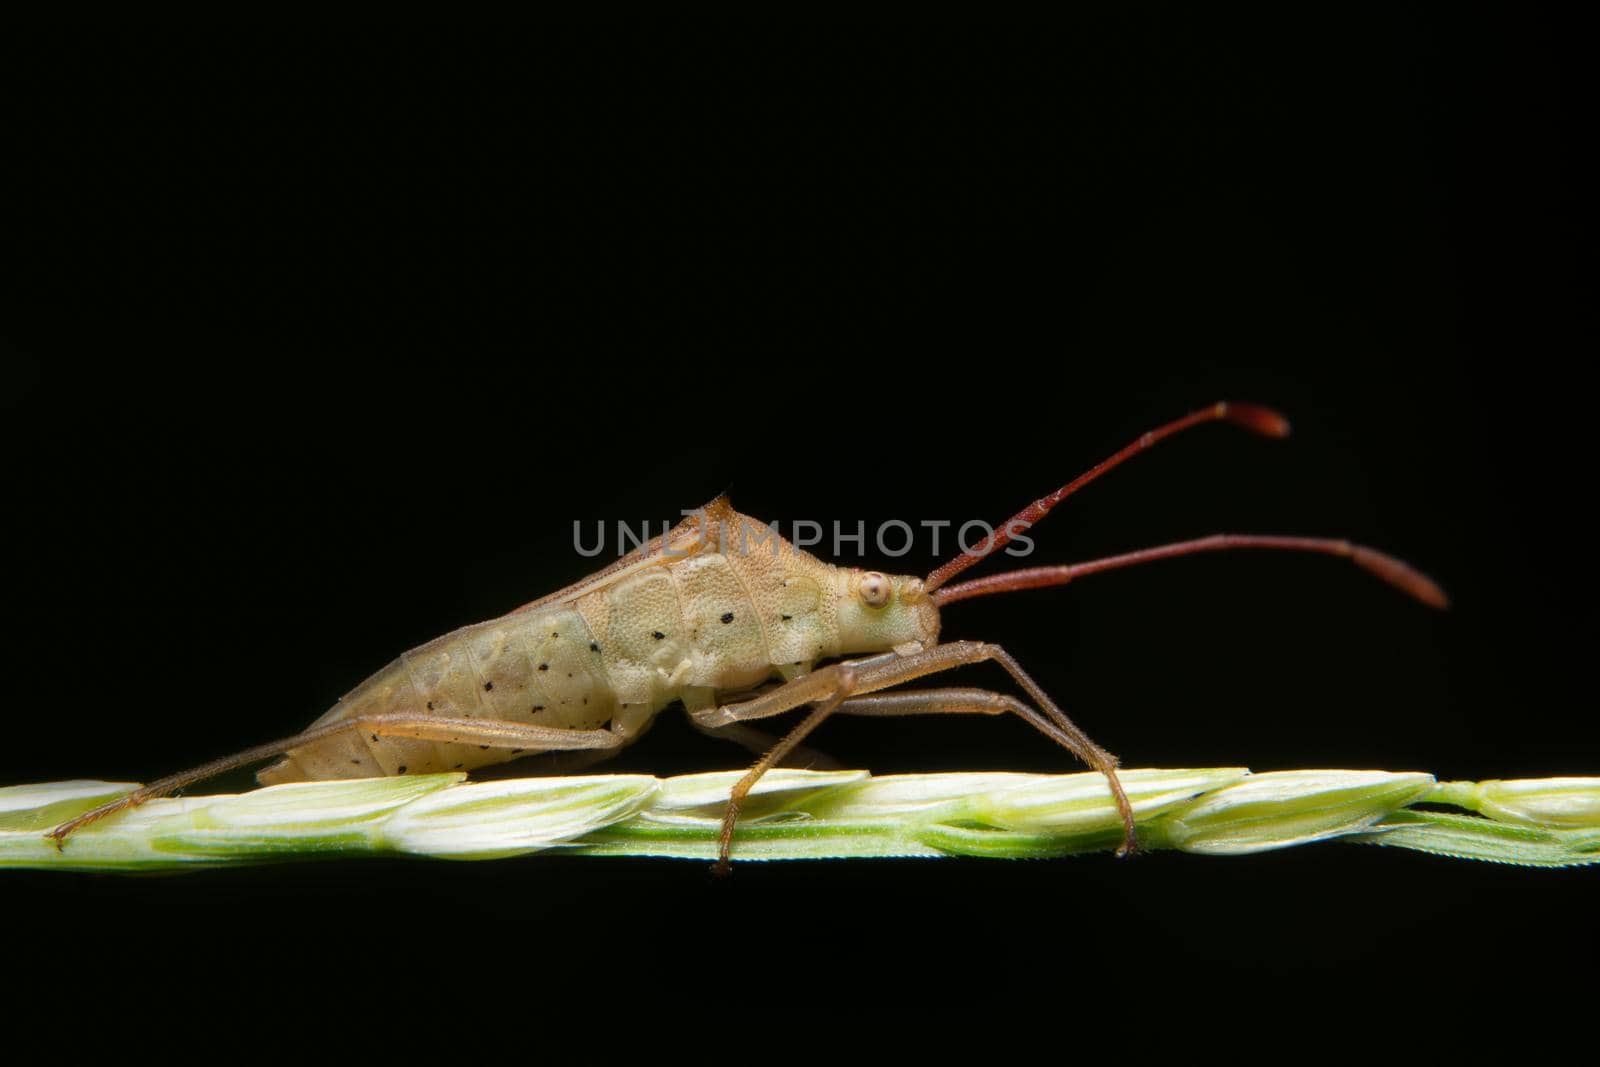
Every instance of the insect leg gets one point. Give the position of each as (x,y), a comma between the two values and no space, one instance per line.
(496,733)
(805,689)
(843,683)
(882,672)
(1065,731)
(963,702)
(938,702)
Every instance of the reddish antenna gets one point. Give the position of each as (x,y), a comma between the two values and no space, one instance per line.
(1261,420)
(1396,572)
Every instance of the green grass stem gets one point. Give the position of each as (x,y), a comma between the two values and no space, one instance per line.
(793,815)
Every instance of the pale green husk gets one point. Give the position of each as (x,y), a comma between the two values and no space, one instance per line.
(1215,811)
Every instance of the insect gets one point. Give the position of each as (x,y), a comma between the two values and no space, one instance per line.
(723,616)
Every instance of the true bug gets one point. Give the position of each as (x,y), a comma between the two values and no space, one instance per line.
(704,616)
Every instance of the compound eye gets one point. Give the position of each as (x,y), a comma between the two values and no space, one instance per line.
(874,589)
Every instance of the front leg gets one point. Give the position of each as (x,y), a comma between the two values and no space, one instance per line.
(806,689)
(830,686)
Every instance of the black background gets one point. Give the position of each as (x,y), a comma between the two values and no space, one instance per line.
(317,343)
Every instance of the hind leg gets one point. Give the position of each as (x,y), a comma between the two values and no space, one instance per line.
(495,733)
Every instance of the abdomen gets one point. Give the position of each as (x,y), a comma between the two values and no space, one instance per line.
(543,667)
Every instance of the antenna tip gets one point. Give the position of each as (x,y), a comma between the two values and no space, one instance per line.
(1254,417)
(1401,575)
